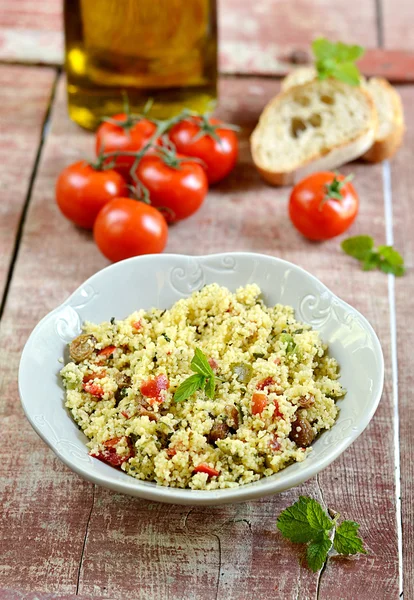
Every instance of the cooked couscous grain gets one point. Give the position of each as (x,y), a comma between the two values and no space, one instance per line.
(276,389)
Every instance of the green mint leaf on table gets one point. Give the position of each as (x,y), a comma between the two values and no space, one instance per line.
(306,522)
(371,261)
(189,386)
(294,524)
(390,255)
(358,246)
(317,517)
(336,59)
(317,552)
(385,258)
(347,540)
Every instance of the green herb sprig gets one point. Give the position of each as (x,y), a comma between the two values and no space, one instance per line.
(385,258)
(203,378)
(306,522)
(335,59)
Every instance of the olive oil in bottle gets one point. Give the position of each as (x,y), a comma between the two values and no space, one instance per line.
(160,49)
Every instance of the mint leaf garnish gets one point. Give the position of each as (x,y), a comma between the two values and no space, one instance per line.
(385,258)
(347,540)
(336,59)
(317,552)
(203,378)
(306,522)
(189,386)
(200,364)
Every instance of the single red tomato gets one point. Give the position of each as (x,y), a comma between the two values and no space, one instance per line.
(203,138)
(123,134)
(82,190)
(323,205)
(127,227)
(176,184)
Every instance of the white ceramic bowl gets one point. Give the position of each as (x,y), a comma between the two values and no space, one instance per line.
(160,280)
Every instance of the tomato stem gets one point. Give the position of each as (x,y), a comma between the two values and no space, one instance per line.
(333,189)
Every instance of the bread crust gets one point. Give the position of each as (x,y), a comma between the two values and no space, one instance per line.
(385,148)
(335,157)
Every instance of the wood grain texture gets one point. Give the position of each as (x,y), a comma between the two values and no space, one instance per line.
(255,37)
(403,199)
(170,551)
(260,37)
(24,98)
(31,31)
(397,21)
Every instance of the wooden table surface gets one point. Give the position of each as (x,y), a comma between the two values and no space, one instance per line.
(63,537)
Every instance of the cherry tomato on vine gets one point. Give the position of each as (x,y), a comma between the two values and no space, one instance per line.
(127,227)
(323,205)
(176,184)
(203,138)
(123,133)
(82,190)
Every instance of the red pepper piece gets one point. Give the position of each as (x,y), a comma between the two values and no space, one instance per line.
(93,388)
(110,456)
(152,388)
(213,364)
(259,403)
(204,468)
(106,352)
(265,383)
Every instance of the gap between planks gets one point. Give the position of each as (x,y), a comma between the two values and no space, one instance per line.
(22,220)
(389,236)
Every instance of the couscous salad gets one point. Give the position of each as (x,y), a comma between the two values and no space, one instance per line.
(216,392)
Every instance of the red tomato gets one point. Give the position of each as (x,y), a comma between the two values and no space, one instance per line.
(259,403)
(204,468)
(204,139)
(94,389)
(106,352)
(323,205)
(153,387)
(137,325)
(128,136)
(110,456)
(126,228)
(81,192)
(90,376)
(265,383)
(179,190)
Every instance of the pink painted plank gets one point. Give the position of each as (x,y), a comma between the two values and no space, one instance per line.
(24,97)
(171,551)
(254,37)
(31,31)
(55,257)
(403,198)
(398,18)
(260,37)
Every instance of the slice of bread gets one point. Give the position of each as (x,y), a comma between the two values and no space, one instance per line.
(390,131)
(317,126)
(298,76)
